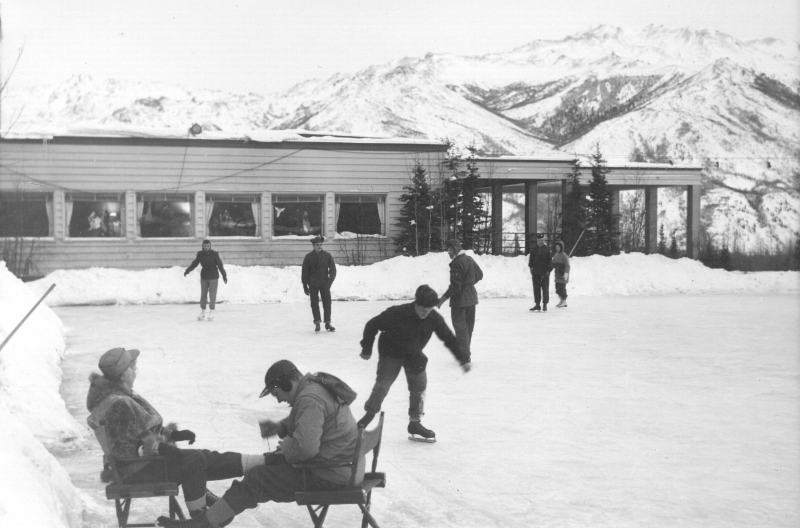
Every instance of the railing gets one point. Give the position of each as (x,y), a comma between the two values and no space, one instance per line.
(512,243)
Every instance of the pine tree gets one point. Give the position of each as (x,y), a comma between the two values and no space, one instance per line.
(601,222)
(673,248)
(463,210)
(418,220)
(662,241)
(574,213)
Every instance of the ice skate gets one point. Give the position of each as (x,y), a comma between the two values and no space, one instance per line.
(210,316)
(562,303)
(536,308)
(544,307)
(329,327)
(418,433)
(316,327)
(202,316)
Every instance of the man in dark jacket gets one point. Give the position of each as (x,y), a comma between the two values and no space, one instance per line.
(405,330)
(319,272)
(464,273)
(540,263)
(209,277)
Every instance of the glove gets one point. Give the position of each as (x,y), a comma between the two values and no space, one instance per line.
(566,277)
(365,354)
(466,367)
(305,289)
(225,280)
(268,428)
(185,273)
(179,436)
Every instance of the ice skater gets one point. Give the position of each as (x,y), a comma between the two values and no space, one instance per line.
(561,267)
(319,272)
(209,278)
(540,264)
(405,330)
(464,274)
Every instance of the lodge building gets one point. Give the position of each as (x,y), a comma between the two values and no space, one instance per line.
(139,200)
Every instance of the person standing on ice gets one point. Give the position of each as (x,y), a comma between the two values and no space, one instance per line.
(405,330)
(561,267)
(209,278)
(464,274)
(320,429)
(128,426)
(540,264)
(318,274)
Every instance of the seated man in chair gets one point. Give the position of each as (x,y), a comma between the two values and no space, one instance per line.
(319,429)
(127,426)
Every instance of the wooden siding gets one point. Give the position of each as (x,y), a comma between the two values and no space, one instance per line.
(131,167)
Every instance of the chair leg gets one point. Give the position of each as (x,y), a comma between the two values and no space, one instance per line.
(123,508)
(175,510)
(317,519)
(368,518)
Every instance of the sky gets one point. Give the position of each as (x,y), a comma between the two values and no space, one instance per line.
(266,46)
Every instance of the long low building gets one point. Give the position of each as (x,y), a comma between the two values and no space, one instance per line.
(145,199)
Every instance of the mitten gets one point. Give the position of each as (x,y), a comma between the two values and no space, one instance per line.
(305,289)
(179,436)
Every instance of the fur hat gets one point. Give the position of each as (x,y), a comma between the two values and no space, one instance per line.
(426,296)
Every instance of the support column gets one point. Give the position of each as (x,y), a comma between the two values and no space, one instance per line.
(329,229)
(497,218)
(692,221)
(615,211)
(200,226)
(60,226)
(564,195)
(266,215)
(650,220)
(131,211)
(531,215)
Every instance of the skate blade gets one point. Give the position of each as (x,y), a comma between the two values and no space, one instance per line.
(415,438)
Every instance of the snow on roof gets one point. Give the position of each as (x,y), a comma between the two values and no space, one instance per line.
(619,163)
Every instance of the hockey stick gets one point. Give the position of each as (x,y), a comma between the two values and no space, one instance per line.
(576,242)
(27,315)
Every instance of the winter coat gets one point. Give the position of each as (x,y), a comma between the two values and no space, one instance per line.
(319,269)
(319,429)
(464,274)
(540,260)
(404,335)
(210,261)
(122,415)
(561,266)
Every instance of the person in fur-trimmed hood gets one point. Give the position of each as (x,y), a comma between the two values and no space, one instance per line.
(128,426)
(561,266)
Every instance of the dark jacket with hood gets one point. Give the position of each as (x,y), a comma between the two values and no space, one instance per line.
(404,335)
(126,417)
(210,261)
(319,269)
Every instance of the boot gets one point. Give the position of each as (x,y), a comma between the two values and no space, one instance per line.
(544,307)
(316,327)
(562,303)
(210,315)
(416,428)
(202,315)
(200,521)
(329,327)
(366,419)
(536,308)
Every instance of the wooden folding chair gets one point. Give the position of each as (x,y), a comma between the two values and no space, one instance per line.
(123,493)
(318,502)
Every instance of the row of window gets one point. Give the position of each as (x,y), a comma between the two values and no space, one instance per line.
(173,215)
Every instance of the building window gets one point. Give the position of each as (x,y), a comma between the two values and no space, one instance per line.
(297,214)
(233,215)
(26,215)
(95,215)
(164,215)
(360,214)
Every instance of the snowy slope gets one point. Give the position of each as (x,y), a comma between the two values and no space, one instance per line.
(688,95)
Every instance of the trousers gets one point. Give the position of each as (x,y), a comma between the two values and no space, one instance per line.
(324,292)
(561,290)
(541,287)
(463,318)
(416,377)
(208,288)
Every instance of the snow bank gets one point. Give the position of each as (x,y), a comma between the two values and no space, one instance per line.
(397,278)
(34,489)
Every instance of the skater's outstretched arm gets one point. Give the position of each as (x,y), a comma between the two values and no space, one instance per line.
(193,265)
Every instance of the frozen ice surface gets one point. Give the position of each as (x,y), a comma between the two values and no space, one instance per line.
(625,411)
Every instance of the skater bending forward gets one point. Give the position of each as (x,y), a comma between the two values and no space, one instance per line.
(405,330)
(319,429)
(127,426)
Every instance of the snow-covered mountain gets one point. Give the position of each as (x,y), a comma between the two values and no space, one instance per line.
(657,94)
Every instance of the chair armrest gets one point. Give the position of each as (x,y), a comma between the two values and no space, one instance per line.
(306,465)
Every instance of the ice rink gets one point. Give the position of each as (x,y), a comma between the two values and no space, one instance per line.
(627,411)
